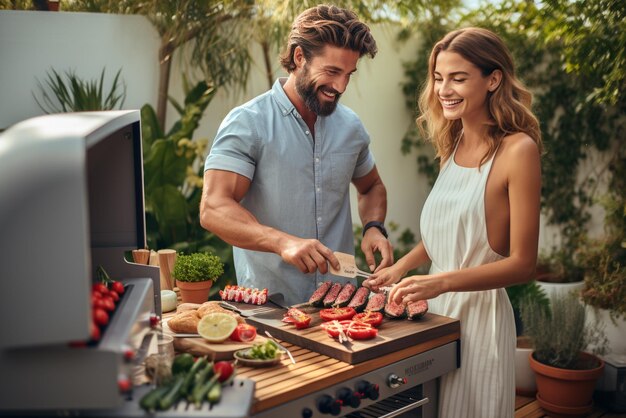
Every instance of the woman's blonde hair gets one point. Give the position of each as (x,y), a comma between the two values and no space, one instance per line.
(509,104)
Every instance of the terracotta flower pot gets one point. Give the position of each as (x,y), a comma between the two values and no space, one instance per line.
(194,292)
(566,392)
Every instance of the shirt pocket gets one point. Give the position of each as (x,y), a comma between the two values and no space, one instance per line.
(342,167)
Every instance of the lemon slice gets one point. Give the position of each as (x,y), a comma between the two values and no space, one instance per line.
(216,327)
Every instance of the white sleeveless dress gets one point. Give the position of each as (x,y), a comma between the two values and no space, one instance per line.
(454,233)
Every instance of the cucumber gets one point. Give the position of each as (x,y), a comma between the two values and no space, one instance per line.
(215,393)
(200,364)
(150,400)
(173,394)
(201,391)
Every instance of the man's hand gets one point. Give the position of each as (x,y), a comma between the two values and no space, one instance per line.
(374,241)
(308,255)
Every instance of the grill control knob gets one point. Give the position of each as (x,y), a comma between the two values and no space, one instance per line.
(367,390)
(348,397)
(328,405)
(394,381)
(307,413)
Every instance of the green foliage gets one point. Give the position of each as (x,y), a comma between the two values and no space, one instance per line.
(197,267)
(605,259)
(530,290)
(173,169)
(560,333)
(76,95)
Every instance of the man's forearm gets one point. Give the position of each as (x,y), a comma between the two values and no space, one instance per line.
(237,226)
(373,204)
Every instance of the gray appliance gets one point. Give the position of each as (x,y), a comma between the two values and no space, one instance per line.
(71,199)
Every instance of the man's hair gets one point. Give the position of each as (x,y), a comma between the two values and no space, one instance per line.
(325,25)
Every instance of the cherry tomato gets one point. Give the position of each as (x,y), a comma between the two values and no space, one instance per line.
(298,318)
(368,317)
(100,287)
(225,369)
(337,314)
(107,303)
(118,287)
(244,333)
(95,332)
(100,316)
(114,295)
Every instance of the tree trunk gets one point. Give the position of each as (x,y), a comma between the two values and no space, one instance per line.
(268,64)
(165,64)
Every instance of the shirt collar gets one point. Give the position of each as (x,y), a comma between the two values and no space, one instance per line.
(281,97)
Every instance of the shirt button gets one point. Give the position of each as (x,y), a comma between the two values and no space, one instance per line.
(307,132)
(318,189)
(319,219)
(317,160)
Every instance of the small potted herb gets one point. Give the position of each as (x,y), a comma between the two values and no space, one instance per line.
(565,373)
(195,274)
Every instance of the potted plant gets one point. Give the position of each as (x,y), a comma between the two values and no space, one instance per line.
(559,271)
(524,376)
(195,273)
(605,288)
(565,374)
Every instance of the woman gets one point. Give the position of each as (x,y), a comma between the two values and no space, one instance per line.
(480,223)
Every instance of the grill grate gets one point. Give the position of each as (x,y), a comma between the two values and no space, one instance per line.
(391,404)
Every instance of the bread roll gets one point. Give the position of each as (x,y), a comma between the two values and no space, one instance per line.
(185,322)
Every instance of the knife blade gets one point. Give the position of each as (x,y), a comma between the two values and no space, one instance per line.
(282,347)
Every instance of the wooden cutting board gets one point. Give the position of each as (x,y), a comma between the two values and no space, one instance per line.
(198,346)
(393,335)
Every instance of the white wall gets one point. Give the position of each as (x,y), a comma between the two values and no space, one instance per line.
(33,42)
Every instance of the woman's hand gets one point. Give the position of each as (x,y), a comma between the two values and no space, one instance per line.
(383,278)
(414,288)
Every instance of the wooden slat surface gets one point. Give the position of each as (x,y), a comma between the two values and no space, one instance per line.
(393,335)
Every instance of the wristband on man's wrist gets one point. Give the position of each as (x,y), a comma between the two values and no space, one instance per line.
(375,224)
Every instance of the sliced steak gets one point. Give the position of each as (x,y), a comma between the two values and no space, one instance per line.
(377,302)
(318,296)
(345,295)
(360,299)
(394,311)
(416,310)
(332,294)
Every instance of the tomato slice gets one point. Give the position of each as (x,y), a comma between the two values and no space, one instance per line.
(337,314)
(358,332)
(353,329)
(244,333)
(298,318)
(368,317)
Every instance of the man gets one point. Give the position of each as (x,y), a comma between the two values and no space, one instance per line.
(276,182)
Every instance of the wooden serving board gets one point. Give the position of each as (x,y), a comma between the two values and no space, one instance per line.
(393,335)
(198,346)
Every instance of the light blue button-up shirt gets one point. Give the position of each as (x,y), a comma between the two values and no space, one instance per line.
(299,184)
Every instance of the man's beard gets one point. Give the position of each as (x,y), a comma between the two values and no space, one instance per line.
(307,89)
